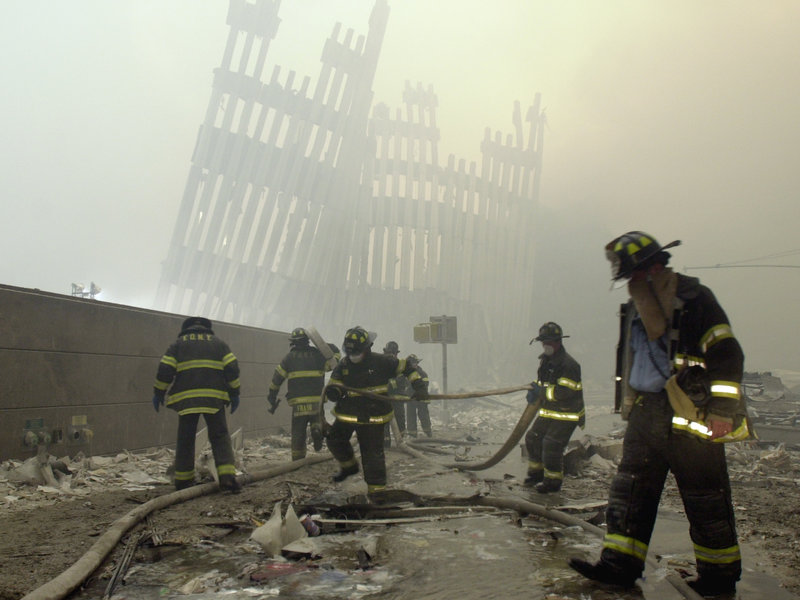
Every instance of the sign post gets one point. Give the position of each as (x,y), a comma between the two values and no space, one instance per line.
(439,330)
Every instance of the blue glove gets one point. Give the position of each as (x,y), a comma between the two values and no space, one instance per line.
(234,403)
(158,400)
(533,394)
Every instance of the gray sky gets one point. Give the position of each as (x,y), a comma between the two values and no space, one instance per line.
(678,118)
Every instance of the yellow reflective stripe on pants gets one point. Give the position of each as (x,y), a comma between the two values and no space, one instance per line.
(625,545)
(184,475)
(717,556)
(226,470)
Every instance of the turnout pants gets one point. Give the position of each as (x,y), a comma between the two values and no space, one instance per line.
(300,426)
(418,408)
(545,443)
(370,442)
(650,450)
(400,415)
(220,446)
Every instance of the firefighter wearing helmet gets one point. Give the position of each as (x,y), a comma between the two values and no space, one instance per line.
(304,368)
(362,370)
(679,370)
(398,388)
(559,389)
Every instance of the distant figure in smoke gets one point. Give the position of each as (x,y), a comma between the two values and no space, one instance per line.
(201,376)
(418,408)
(400,388)
(559,389)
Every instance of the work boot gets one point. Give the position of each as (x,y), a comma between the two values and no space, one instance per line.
(183,484)
(603,572)
(345,473)
(228,483)
(533,478)
(711,587)
(428,433)
(548,486)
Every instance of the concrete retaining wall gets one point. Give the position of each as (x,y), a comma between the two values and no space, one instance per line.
(81,371)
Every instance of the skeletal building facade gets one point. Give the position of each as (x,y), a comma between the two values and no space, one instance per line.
(309,204)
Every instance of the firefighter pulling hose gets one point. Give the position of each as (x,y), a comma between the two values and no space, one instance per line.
(519,430)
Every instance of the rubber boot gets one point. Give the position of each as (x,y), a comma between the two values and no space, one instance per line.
(603,572)
(228,483)
(345,473)
(549,486)
(712,587)
(533,478)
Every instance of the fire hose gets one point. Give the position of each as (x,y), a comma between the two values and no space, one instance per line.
(516,434)
(68,581)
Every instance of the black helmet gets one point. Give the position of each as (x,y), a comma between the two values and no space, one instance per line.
(635,250)
(391,347)
(356,340)
(550,332)
(298,337)
(413,360)
(195,322)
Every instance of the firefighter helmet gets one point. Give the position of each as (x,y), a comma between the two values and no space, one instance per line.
(413,360)
(550,332)
(356,341)
(195,322)
(635,250)
(298,336)
(391,347)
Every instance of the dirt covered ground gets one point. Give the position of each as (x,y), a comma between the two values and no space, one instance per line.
(44,530)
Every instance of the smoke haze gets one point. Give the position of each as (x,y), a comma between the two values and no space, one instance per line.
(679,119)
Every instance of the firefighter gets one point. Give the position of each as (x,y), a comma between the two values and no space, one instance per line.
(398,388)
(559,389)
(672,330)
(304,366)
(418,408)
(364,370)
(200,375)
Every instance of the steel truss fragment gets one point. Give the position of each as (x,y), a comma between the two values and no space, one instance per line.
(306,204)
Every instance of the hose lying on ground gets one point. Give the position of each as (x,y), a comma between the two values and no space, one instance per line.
(516,434)
(74,576)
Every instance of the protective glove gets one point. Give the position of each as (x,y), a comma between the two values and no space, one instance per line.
(533,393)
(234,402)
(273,403)
(334,394)
(158,400)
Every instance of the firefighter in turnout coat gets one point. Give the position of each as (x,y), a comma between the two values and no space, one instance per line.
(559,388)
(679,374)
(304,366)
(367,371)
(200,376)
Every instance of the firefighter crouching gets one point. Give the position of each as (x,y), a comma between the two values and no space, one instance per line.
(200,375)
(368,371)
(672,330)
(558,386)
(304,366)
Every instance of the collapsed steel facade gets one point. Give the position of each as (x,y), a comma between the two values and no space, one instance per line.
(312,206)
